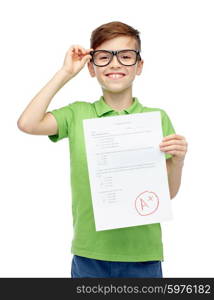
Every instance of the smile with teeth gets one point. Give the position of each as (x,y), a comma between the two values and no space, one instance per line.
(115,75)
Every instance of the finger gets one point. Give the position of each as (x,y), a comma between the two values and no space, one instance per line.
(88,51)
(71,47)
(70,50)
(76,49)
(173,147)
(171,142)
(177,153)
(80,50)
(173,136)
(84,49)
(87,58)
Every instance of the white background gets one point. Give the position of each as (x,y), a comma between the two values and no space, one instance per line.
(35,194)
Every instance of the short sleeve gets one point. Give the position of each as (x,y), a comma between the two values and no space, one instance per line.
(64,118)
(167,128)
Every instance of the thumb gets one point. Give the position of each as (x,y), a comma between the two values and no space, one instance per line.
(86,58)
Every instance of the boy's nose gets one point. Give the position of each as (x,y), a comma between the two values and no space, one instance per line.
(115,62)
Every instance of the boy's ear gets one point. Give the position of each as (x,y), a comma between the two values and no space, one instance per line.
(139,67)
(91,69)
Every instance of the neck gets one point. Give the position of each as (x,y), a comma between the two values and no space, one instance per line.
(118,101)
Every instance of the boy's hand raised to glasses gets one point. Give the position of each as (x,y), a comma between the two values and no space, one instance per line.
(75,59)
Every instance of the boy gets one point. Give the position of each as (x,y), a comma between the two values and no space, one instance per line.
(114,59)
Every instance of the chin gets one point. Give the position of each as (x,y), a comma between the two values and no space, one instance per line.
(112,90)
(115,89)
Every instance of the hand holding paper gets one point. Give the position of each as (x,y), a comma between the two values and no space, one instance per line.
(176,145)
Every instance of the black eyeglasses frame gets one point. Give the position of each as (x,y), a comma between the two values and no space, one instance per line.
(116,52)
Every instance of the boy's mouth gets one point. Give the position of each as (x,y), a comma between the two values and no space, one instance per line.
(115,75)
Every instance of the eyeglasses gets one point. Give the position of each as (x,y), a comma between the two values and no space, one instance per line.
(102,58)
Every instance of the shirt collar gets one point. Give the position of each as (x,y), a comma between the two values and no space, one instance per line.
(102,107)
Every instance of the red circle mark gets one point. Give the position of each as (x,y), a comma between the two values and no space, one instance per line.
(146,203)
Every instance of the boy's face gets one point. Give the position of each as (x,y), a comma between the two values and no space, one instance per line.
(110,83)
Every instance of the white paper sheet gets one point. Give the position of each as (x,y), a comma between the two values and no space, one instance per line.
(127,170)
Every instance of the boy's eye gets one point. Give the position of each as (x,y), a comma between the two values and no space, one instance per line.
(125,57)
(102,56)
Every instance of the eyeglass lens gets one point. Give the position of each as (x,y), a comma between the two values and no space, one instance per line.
(127,58)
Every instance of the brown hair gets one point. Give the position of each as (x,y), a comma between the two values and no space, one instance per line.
(111,30)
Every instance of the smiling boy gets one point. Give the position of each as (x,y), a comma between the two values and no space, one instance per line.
(114,59)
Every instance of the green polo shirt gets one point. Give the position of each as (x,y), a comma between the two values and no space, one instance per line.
(137,243)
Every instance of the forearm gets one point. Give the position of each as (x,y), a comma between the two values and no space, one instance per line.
(174,170)
(36,109)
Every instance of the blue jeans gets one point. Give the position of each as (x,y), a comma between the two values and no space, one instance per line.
(82,267)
